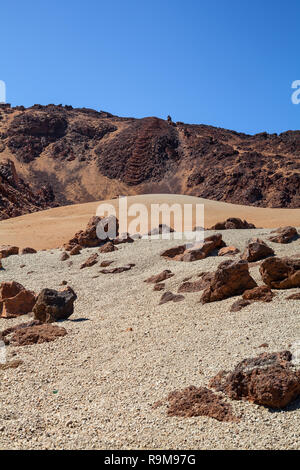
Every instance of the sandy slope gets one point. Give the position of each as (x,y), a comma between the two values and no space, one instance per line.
(95,387)
(51,228)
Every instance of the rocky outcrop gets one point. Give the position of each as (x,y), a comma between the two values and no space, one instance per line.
(281,273)
(199,401)
(196,251)
(232,223)
(284,235)
(93,235)
(269,380)
(8,250)
(52,306)
(256,250)
(231,278)
(15,300)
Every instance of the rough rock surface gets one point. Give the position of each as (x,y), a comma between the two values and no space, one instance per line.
(239,304)
(32,333)
(259,293)
(197,251)
(294,296)
(108,247)
(281,273)
(27,250)
(228,251)
(199,401)
(169,296)
(269,379)
(92,236)
(15,300)
(256,250)
(196,286)
(8,250)
(91,261)
(232,223)
(166,274)
(118,270)
(52,305)
(284,235)
(161,229)
(231,278)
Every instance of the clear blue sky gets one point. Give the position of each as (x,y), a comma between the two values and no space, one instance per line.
(228,63)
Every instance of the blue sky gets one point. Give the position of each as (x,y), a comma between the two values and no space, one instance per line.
(227,63)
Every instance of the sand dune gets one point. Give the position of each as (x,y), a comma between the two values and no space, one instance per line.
(51,228)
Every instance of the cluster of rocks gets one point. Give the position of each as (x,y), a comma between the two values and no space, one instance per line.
(9,250)
(195,252)
(232,223)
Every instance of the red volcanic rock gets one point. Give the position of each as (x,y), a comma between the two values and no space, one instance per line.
(284,235)
(75,250)
(259,293)
(52,306)
(232,223)
(193,401)
(231,278)
(294,296)
(121,269)
(269,380)
(93,259)
(108,247)
(30,333)
(197,251)
(166,274)
(239,304)
(228,251)
(256,250)
(15,300)
(105,263)
(198,285)
(28,250)
(169,296)
(123,238)
(95,232)
(281,273)
(64,256)
(159,287)
(8,250)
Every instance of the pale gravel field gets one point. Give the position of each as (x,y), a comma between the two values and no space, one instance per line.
(107,378)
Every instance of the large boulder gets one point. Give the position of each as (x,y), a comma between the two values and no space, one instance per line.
(256,250)
(8,250)
(284,235)
(231,278)
(92,235)
(232,223)
(52,305)
(281,273)
(269,380)
(15,300)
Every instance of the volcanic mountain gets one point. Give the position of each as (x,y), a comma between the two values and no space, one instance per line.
(57,155)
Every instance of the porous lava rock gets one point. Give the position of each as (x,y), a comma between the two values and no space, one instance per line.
(233,223)
(52,306)
(91,261)
(166,274)
(15,300)
(284,235)
(281,273)
(256,250)
(170,297)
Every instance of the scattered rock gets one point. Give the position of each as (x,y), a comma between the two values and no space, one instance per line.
(256,250)
(269,380)
(228,251)
(123,238)
(28,250)
(76,250)
(162,228)
(166,274)
(8,250)
(284,235)
(91,261)
(159,287)
(169,296)
(259,293)
(89,237)
(117,270)
(294,296)
(15,300)
(232,223)
(264,345)
(63,283)
(193,401)
(64,256)
(36,335)
(52,305)
(107,248)
(231,278)
(11,364)
(197,251)
(239,304)
(281,273)
(105,263)
(198,285)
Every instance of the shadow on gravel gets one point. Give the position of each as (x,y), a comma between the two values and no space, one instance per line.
(295,405)
(77,320)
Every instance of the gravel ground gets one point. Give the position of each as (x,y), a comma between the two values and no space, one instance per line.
(95,387)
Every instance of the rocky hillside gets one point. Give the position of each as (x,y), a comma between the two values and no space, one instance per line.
(84,155)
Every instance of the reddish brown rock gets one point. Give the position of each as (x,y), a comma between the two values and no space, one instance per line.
(256,250)
(8,250)
(11,364)
(169,296)
(259,293)
(64,256)
(231,278)
(193,401)
(15,300)
(159,287)
(232,223)
(105,263)
(197,251)
(281,273)
(36,335)
(228,251)
(269,380)
(118,270)
(196,286)
(239,304)
(95,232)
(284,235)
(108,247)
(28,250)
(91,261)
(52,306)
(294,296)
(75,250)
(174,252)
(123,238)
(166,274)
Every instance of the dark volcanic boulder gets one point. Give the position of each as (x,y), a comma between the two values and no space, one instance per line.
(281,273)
(284,235)
(27,250)
(231,278)
(256,250)
(52,305)
(269,380)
